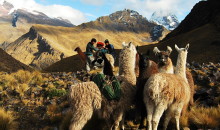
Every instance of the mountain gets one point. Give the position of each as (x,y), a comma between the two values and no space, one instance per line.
(7,11)
(25,19)
(9,64)
(128,21)
(200,28)
(168,20)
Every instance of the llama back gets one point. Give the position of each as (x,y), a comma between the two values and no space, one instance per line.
(161,87)
(86,94)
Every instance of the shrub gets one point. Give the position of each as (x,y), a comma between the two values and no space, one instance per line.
(56,92)
(7,120)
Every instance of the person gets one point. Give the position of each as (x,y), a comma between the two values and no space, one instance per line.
(101,50)
(89,54)
(110,48)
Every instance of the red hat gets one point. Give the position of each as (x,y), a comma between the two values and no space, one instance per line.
(100,43)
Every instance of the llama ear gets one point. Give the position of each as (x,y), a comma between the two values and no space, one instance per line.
(187,47)
(129,44)
(156,50)
(137,48)
(124,44)
(169,49)
(176,47)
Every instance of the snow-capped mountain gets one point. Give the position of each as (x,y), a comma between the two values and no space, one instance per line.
(168,20)
(7,14)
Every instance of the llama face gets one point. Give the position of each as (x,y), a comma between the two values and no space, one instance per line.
(163,56)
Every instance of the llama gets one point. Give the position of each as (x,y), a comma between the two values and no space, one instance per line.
(147,67)
(81,54)
(165,65)
(85,98)
(164,91)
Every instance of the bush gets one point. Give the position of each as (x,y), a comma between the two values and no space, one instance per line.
(56,92)
(7,120)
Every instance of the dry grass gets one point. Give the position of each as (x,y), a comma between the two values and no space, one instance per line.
(205,117)
(201,117)
(7,121)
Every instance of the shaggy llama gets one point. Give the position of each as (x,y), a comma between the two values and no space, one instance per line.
(165,65)
(169,92)
(85,98)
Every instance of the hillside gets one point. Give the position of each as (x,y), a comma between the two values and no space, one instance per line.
(9,64)
(57,40)
(201,28)
(44,45)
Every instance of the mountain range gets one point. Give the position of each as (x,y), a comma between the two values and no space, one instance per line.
(40,45)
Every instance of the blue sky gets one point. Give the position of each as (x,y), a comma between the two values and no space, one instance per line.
(79,11)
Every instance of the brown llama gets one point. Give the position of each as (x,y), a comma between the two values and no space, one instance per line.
(147,68)
(167,92)
(85,98)
(81,54)
(165,65)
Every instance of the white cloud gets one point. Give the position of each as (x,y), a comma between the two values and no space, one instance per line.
(54,11)
(93,2)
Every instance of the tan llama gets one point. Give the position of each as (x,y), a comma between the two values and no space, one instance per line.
(167,92)
(165,65)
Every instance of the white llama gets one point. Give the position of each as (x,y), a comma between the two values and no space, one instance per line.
(85,98)
(169,92)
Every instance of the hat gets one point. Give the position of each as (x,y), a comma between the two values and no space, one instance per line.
(100,43)
(106,41)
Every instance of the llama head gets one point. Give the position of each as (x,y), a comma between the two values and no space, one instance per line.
(182,50)
(144,59)
(129,46)
(76,49)
(163,56)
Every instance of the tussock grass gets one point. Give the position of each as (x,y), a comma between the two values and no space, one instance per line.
(204,117)
(7,120)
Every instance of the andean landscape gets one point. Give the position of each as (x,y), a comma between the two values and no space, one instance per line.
(38,63)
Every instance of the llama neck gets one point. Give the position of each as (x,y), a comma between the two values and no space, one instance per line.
(168,68)
(127,67)
(181,65)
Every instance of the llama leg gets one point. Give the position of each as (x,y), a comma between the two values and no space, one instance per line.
(143,117)
(168,116)
(177,118)
(80,118)
(123,122)
(157,115)
(150,110)
(118,118)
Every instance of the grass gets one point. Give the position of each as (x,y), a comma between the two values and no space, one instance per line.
(7,120)
(204,118)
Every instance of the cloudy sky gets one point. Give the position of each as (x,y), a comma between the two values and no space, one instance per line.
(79,11)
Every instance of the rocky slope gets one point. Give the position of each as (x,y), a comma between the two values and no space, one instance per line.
(9,64)
(33,49)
